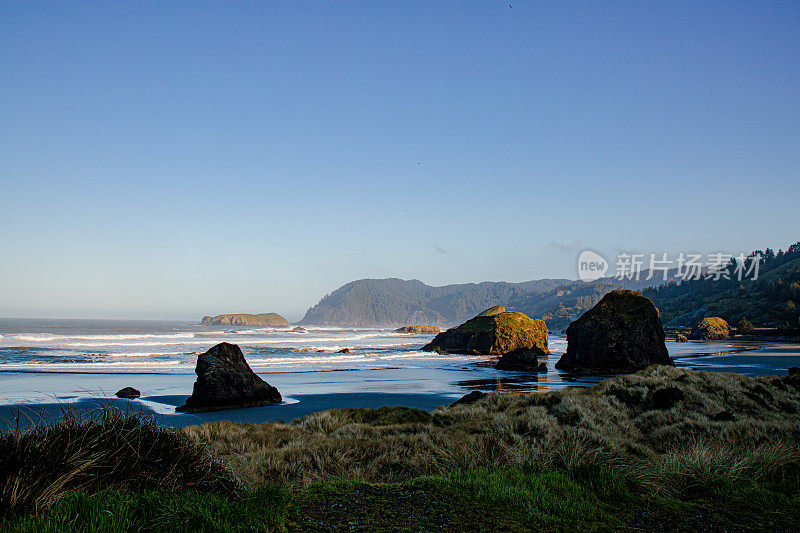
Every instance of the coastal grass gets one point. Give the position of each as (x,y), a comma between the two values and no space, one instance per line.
(591,498)
(669,431)
(263,509)
(106,449)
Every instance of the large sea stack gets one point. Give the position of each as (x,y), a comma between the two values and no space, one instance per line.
(225,381)
(493,332)
(622,333)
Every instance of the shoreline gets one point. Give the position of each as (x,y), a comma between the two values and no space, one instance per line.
(298,406)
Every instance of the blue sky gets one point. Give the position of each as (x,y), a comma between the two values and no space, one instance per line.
(175,159)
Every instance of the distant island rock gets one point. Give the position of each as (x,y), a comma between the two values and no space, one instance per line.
(623,332)
(712,328)
(493,334)
(226,381)
(298,329)
(269,320)
(419,330)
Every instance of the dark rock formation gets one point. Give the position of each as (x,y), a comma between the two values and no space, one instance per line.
(621,333)
(794,370)
(298,329)
(128,393)
(710,329)
(264,320)
(492,334)
(681,338)
(523,359)
(344,350)
(225,381)
(472,397)
(419,330)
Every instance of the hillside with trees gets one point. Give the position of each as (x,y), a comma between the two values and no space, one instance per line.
(771,300)
(393,302)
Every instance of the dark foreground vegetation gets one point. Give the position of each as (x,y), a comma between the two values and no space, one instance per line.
(665,449)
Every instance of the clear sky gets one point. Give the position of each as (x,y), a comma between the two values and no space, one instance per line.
(175,159)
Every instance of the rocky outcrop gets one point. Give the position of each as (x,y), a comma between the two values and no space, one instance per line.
(496,310)
(128,393)
(298,329)
(470,398)
(681,338)
(344,350)
(524,359)
(419,330)
(622,333)
(712,328)
(226,381)
(492,334)
(264,320)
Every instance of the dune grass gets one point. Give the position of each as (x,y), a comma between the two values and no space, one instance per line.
(665,429)
(105,450)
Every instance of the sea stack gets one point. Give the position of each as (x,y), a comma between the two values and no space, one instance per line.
(622,333)
(226,381)
(712,328)
(493,332)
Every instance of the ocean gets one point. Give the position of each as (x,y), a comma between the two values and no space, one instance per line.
(47,361)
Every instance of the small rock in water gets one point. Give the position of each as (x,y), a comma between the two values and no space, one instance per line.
(128,393)
(344,350)
(681,338)
(523,359)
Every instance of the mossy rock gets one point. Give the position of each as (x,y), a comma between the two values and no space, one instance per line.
(712,328)
(623,332)
(493,334)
